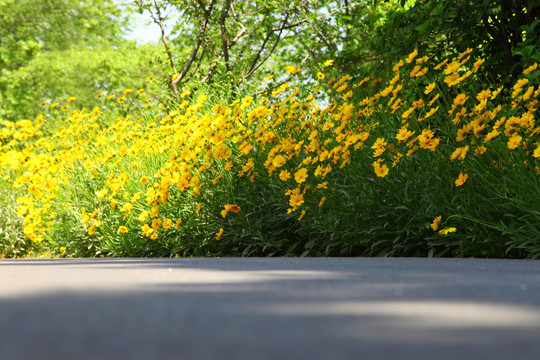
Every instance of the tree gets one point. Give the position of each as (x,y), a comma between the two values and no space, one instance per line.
(30,26)
(232,40)
(55,49)
(77,72)
(505,32)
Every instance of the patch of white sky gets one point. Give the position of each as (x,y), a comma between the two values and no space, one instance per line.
(143,29)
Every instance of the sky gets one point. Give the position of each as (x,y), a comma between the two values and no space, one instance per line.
(144,30)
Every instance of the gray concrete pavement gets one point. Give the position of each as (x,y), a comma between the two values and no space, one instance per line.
(271,308)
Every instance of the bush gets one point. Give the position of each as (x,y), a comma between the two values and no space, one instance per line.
(435,163)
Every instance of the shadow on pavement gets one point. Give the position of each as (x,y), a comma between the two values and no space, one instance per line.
(270,309)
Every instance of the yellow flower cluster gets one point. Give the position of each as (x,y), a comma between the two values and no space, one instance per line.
(136,166)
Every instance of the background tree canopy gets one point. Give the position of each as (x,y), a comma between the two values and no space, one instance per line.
(57,49)
(54,49)
(228,42)
(504,32)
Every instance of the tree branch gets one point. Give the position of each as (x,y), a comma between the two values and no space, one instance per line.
(159,20)
(230,45)
(197,44)
(255,67)
(224,44)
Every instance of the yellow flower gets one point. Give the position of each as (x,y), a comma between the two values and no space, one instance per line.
(447,230)
(396,67)
(219,234)
(224,213)
(320,75)
(431,112)
(143,216)
(483,95)
(222,152)
(123,229)
(328,63)
(478,63)
(460,153)
(92,230)
(178,223)
(156,223)
(269,77)
(429,88)
(460,99)
(520,83)
(380,171)
(167,223)
(496,92)
(198,210)
(219,137)
(434,99)
(530,69)
(232,208)
(323,185)
(281,89)
(301,175)
(514,141)
(404,134)
(100,194)
(387,91)
(528,93)
(407,113)
(341,88)
(411,56)
(278,161)
(491,135)
(379,143)
(290,69)
(135,197)
(422,72)
(185,93)
(414,71)
(71,98)
(452,80)
(461,179)
(424,139)
(127,207)
(465,53)
(284,175)
(323,199)
(296,200)
(378,152)
(147,230)
(452,67)
(435,224)
(62,249)
(247,149)
(536,152)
